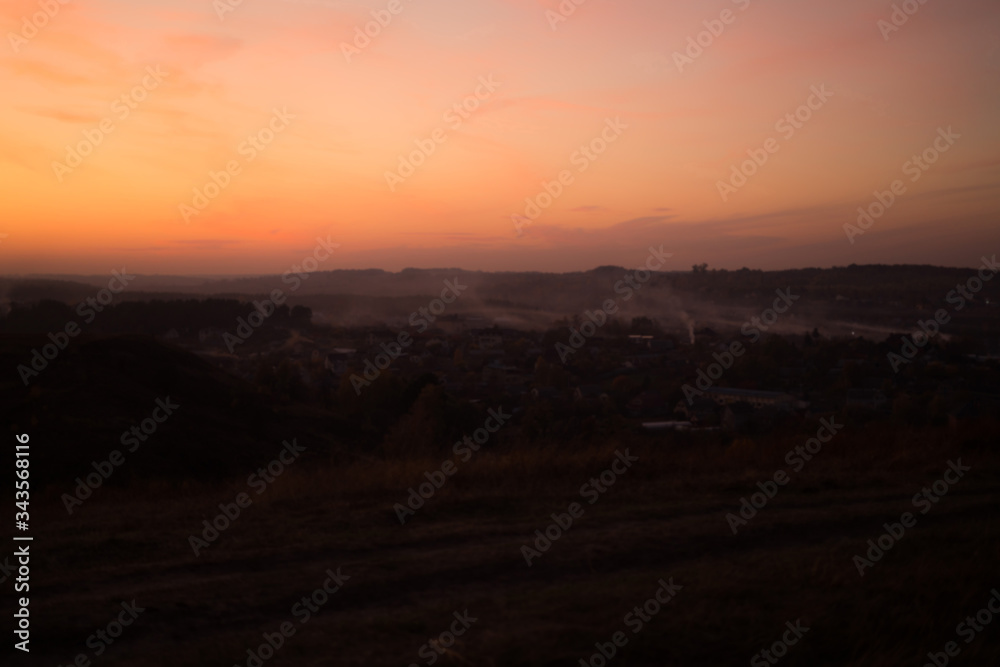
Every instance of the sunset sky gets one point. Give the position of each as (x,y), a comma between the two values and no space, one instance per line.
(346,117)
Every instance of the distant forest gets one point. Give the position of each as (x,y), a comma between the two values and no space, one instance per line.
(154,317)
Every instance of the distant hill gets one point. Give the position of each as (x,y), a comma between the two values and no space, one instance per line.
(855,279)
(884,298)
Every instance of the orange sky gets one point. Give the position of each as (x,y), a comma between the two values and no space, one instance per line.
(344,121)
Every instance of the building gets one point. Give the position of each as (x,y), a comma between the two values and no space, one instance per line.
(865,399)
(755,397)
(337,361)
(489,341)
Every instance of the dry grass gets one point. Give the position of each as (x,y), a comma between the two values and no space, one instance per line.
(663,518)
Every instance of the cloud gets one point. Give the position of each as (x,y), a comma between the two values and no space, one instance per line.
(207,244)
(62,115)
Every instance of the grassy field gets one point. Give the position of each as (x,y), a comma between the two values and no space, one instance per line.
(663,518)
